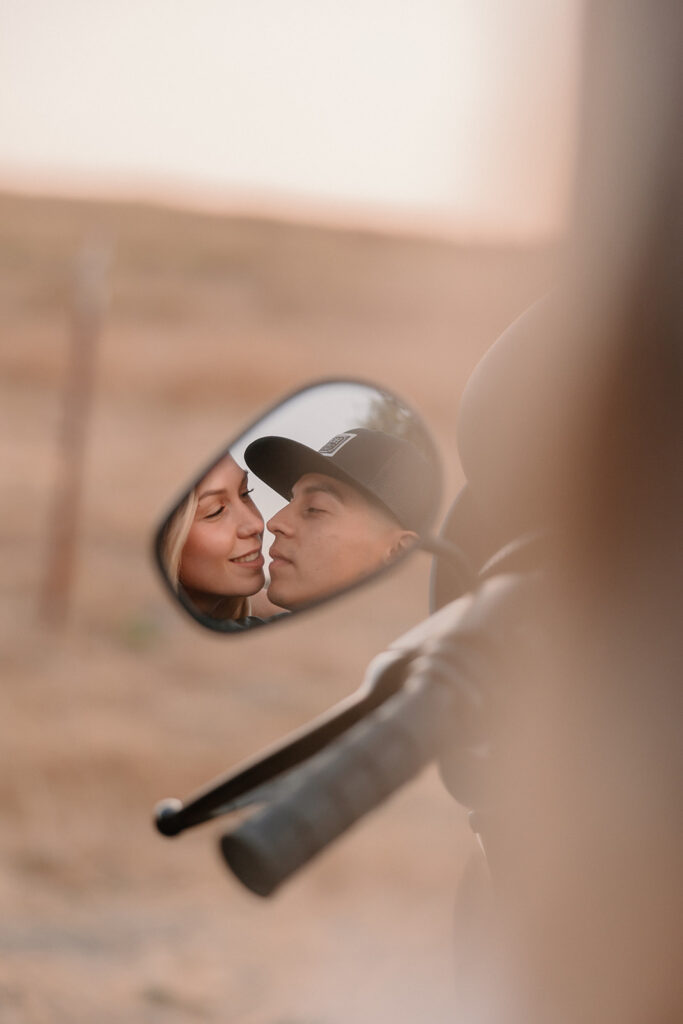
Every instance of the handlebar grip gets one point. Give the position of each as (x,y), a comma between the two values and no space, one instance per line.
(333,789)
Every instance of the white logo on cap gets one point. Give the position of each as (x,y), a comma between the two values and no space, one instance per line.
(332,446)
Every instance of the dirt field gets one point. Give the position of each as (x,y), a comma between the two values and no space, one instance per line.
(209,319)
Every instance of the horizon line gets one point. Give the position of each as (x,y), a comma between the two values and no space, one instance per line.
(345,215)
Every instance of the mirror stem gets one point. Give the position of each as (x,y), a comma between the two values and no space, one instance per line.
(466,577)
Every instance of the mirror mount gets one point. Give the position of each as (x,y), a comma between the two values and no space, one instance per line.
(459,567)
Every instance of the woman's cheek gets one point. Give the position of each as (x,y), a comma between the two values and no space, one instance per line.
(224,541)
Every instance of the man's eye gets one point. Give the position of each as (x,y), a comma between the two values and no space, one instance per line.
(312,509)
(215,514)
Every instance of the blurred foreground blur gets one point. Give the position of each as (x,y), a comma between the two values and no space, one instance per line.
(587,830)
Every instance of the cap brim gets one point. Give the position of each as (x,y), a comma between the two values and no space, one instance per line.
(280,462)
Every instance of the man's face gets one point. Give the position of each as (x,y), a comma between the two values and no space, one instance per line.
(327,537)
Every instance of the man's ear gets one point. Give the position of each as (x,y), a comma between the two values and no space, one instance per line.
(400,542)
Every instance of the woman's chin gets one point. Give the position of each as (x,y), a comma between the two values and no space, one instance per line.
(256,586)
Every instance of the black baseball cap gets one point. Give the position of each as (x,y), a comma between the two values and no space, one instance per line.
(387,469)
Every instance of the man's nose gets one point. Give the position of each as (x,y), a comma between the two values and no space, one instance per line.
(280,522)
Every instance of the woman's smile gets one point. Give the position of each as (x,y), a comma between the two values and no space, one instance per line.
(253,559)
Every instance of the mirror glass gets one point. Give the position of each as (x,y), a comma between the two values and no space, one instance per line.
(332,485)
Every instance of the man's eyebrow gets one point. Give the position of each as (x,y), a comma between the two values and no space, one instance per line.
(324,487)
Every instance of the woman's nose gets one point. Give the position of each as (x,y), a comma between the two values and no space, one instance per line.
(250,524)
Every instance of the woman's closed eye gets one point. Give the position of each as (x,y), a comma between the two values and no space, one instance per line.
(214,513)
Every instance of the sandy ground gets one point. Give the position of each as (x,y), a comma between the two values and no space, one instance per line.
(209,319)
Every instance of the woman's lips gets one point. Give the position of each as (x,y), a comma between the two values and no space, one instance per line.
(252,560)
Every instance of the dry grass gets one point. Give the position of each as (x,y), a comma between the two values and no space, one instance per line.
(209,319)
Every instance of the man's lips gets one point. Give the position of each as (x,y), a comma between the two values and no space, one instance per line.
(277,559)
(252,559)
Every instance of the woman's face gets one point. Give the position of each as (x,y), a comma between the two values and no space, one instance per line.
(222,553)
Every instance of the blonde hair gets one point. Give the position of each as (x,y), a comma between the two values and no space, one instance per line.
(173,541)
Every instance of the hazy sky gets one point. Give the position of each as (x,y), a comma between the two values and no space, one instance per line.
(461,110)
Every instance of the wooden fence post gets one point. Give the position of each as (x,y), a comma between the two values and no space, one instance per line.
(65,505)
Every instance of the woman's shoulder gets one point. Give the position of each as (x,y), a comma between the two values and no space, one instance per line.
(238,625)
(249,622)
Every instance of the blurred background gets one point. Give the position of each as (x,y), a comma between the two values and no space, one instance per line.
(269,193)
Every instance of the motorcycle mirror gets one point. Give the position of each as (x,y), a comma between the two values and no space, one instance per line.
(335,483)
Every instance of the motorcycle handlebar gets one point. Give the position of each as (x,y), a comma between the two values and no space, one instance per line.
(332,790)
(443,706)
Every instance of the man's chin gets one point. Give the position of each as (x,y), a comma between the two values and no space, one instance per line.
(295,602)
(281,600)
(290,602)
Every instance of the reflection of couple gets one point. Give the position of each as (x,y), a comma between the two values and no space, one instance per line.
(353,506)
